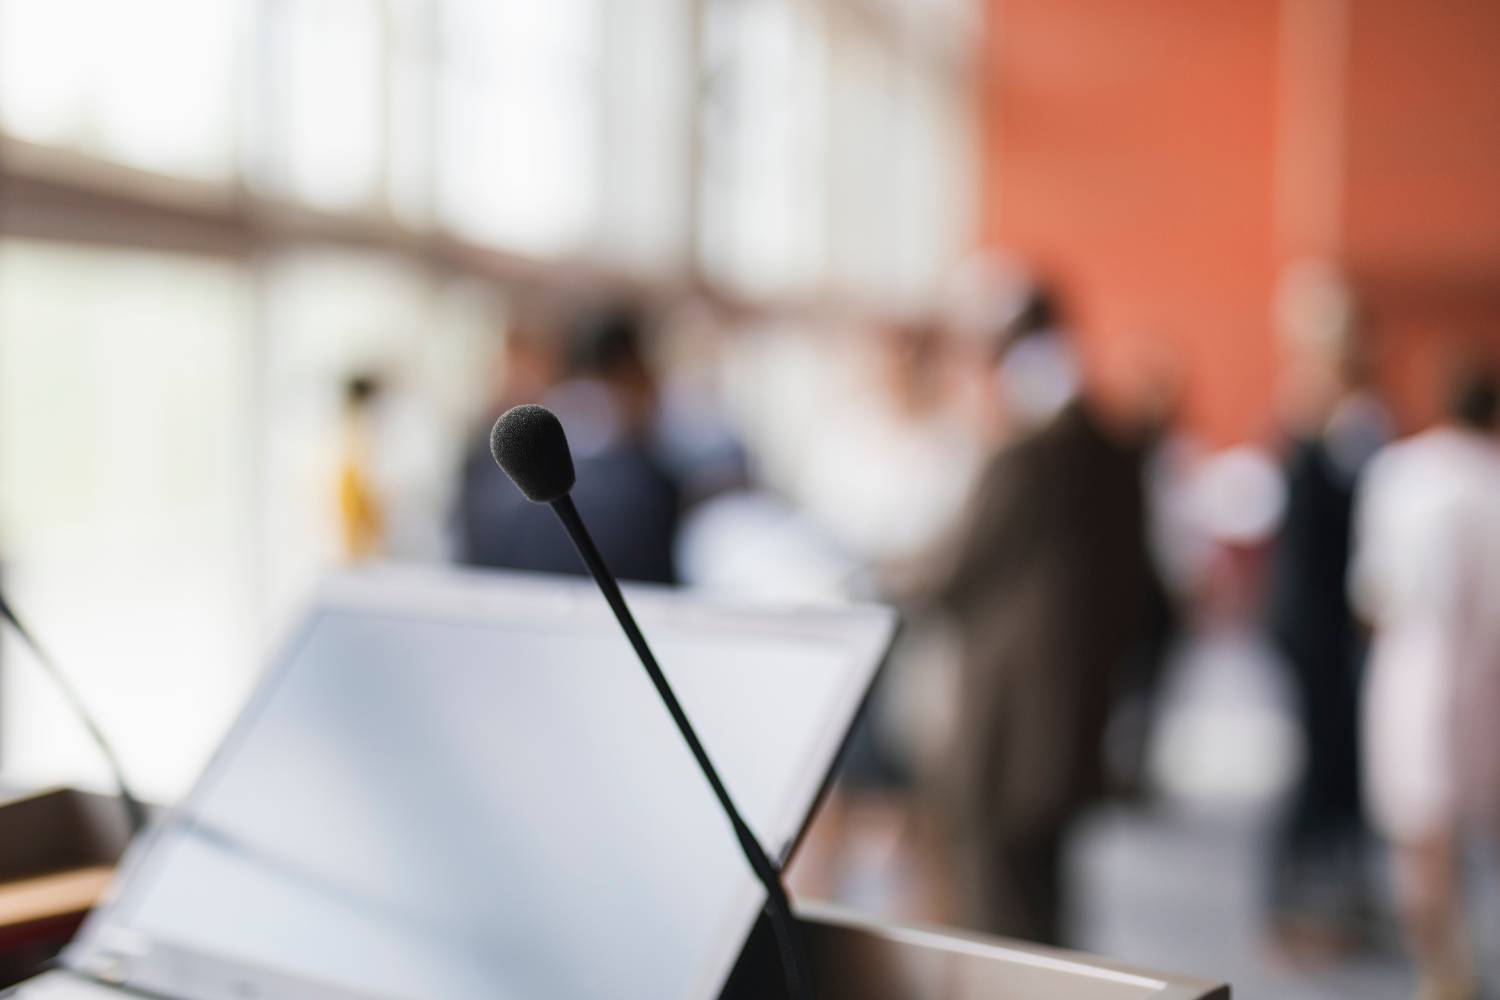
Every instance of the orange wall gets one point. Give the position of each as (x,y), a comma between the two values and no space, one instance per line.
(1422,182)
(1163,159)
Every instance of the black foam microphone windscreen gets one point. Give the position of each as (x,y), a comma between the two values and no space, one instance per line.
(529,444)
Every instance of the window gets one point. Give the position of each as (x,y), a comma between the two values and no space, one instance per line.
(154,84)
(933,183)
(325,93)
(518,136)
(648,133)
(127,453)
(333,314)
(762,147)
(834,148)
(364,187)
(865,146)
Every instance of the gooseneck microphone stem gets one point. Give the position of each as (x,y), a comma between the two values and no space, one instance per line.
(529,443)
(135,813)
(778,907)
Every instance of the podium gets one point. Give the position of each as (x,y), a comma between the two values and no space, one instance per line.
(58,849)
(59,846)
(855,957)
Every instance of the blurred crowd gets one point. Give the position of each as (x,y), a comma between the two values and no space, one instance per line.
(1025,495)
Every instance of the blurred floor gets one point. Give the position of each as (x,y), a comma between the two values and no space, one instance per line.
(1178,884)
(1182,890)
(1181,884)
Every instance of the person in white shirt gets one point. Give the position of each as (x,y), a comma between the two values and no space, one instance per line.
(1426,575)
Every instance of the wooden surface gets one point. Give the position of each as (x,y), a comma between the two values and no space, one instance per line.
(47,897)
(856,957)
(853,956)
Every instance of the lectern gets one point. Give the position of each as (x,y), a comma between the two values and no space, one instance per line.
(77,836)
(855,957)
(438,775)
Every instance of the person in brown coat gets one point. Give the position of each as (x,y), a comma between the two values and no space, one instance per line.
(1053,592)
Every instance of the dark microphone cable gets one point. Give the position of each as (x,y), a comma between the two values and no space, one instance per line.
(135,813)
(529,444)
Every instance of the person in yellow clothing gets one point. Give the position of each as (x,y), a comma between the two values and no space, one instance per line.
(360,521)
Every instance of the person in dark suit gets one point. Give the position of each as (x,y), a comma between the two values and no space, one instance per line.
(632,504)
(1334,423)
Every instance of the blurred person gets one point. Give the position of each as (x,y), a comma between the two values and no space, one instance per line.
(1054,592)
(1022,366)
(395,453)
(361,524)
(1426,574)
(694,437)
(888,469)
(607,403)
(533,355)
(1333,422)
(886,473)
(737,536)
(899,476)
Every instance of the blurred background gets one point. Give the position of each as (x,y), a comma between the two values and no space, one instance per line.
(1143,354)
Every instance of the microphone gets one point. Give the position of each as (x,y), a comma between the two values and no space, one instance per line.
(529,444)
(135,813)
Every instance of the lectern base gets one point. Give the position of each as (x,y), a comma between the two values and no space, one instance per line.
(856,958)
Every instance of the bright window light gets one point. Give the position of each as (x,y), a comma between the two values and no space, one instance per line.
(150,83)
